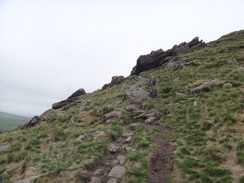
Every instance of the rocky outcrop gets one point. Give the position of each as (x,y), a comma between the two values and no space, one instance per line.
(205,87)
(160,57)
(49,115)
(115,80)
(70,101)
(78,93)
(34,121)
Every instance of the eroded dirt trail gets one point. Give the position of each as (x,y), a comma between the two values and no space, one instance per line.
(160,168)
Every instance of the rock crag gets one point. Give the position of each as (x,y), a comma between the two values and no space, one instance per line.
(160,57)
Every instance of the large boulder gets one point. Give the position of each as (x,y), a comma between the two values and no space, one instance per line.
(137,94)
(49,115)
(34,121)
(160,57)
(71,100)
(77,93)
(115,80)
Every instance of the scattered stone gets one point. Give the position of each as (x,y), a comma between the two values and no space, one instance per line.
(181,94)
(28,180)
(241,68)
(77,93)
(118,102)
(107,164)
(132,107)
(128,139)
(112,180)
(4,148)
(137,94)
(195,103)
(227,85)
(232,60)
(150,120)
(95,180)
(101,134)
(205,87)
(98,172)
(113,148)
(141,116)
(128,134)
(121,159)
(113,116)
(134,124)
(115,162)
(71,120)
(128,148)
(117,172)
(88,134)
(80,138)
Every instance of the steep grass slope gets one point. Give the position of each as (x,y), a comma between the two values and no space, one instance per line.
(167,134)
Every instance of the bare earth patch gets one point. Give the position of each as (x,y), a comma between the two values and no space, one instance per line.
(160,167)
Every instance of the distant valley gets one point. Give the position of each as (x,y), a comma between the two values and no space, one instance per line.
(10,121)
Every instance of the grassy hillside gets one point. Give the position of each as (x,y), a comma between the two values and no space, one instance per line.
(10,121)
(194,137)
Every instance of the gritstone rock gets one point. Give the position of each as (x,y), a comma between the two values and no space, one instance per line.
(160,57)
(117,172)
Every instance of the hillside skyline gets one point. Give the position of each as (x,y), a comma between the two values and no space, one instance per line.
(48,49)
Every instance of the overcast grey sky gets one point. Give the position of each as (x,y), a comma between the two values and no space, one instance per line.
(50,48)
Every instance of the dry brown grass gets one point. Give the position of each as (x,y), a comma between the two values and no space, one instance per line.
(231,164)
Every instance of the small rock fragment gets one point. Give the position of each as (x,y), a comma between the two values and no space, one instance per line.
(95,180)
(113,148)
(71,120)
(227,85)
(121,159)
(181,94)
(150,120)
(80,138)
(128,139)
(128,148)
(112,180)
(127,134)
(98,172)
(101,134)
(232,61)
